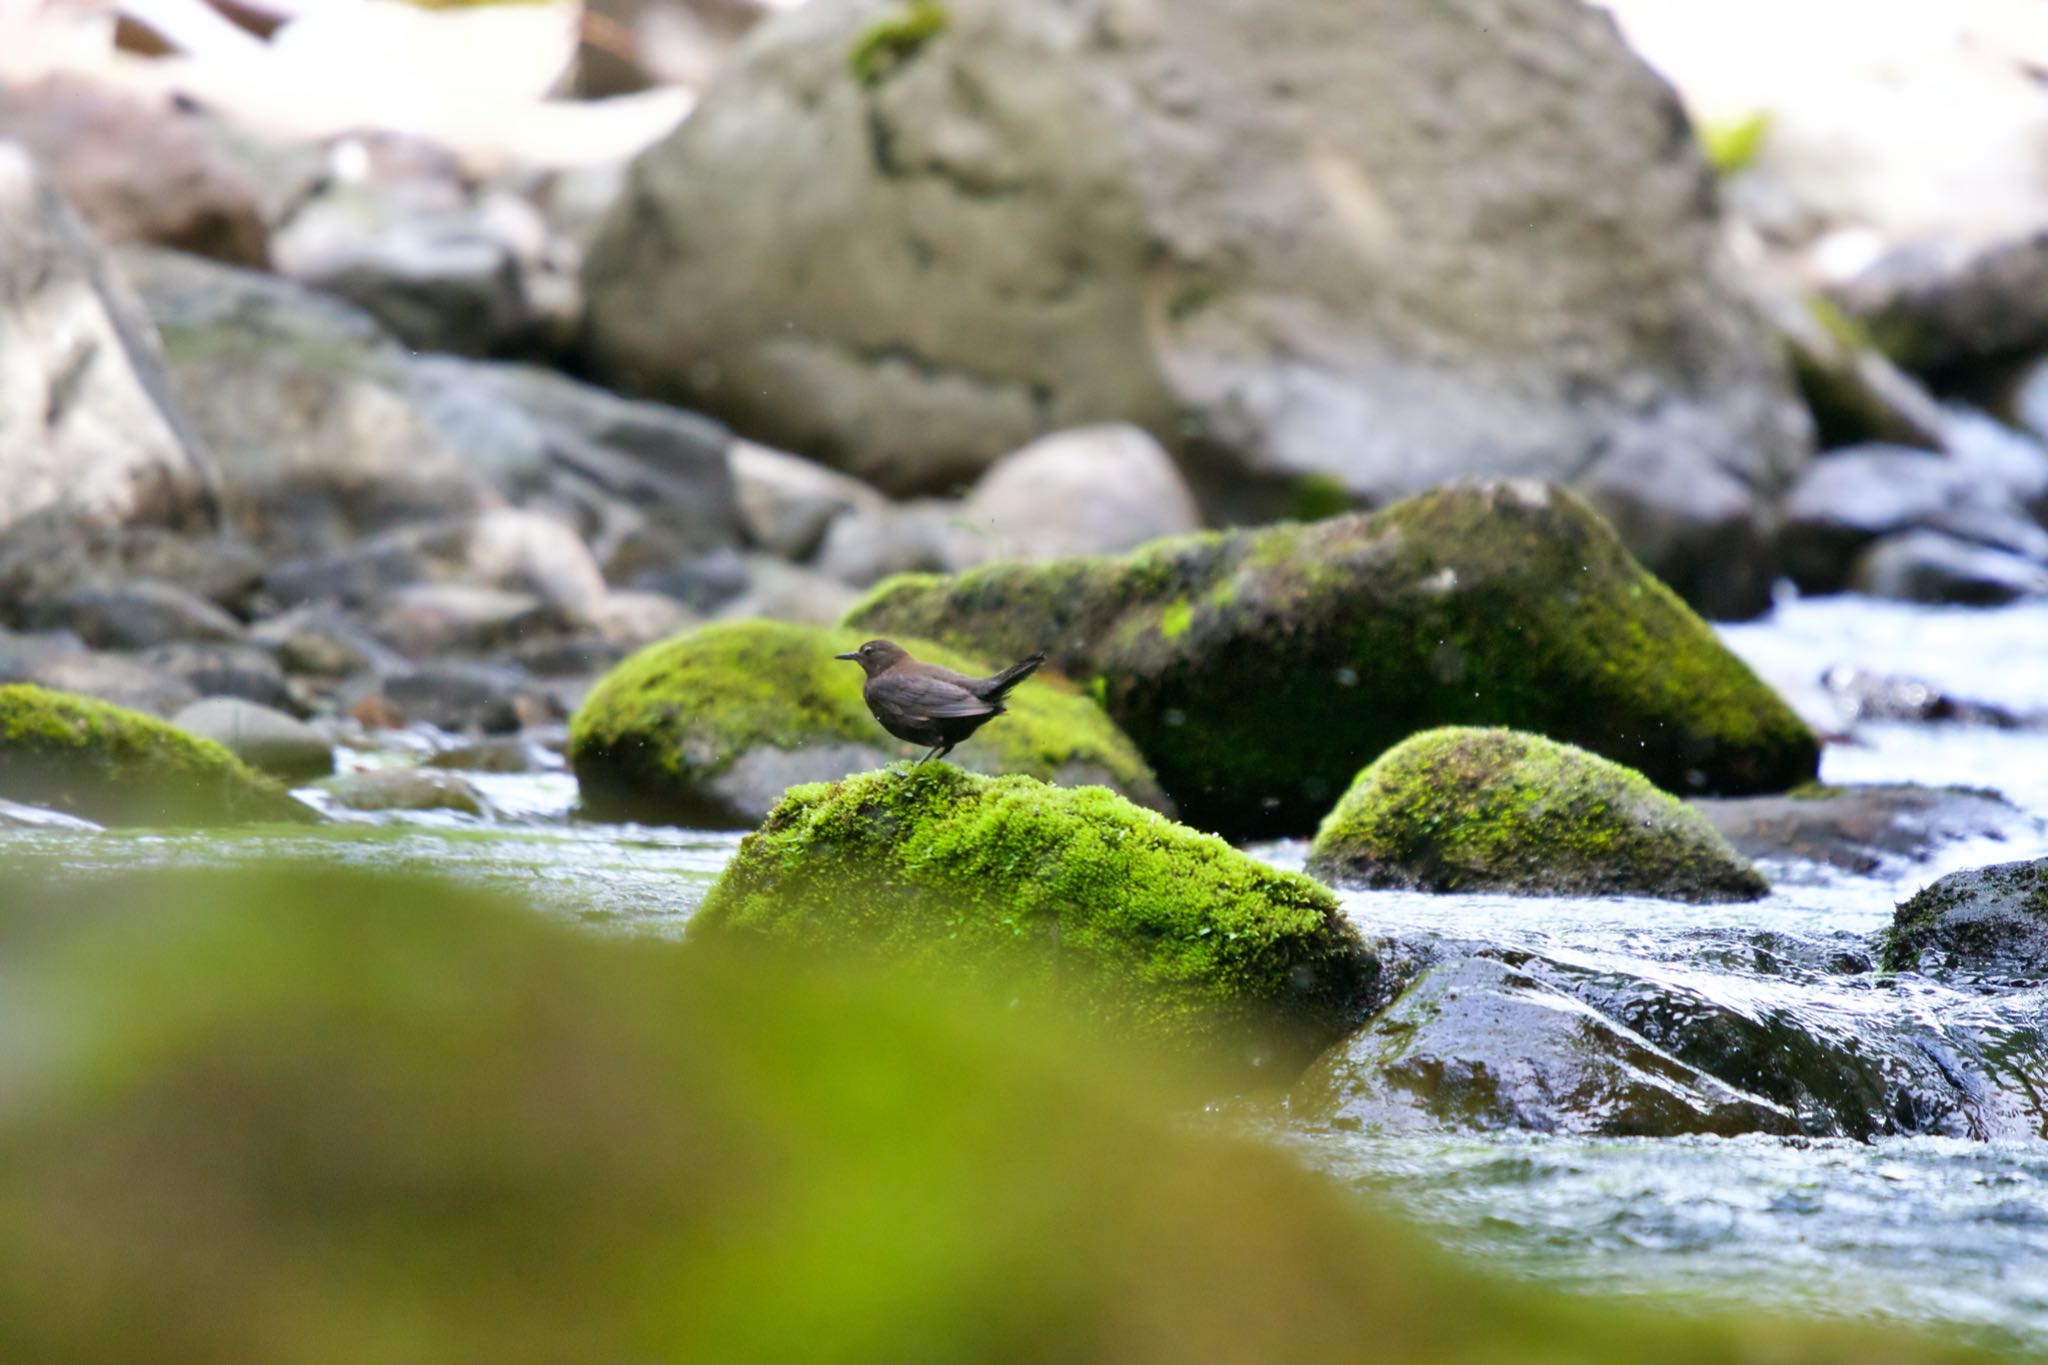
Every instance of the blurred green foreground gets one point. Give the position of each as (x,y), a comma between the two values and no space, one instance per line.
(313,1116)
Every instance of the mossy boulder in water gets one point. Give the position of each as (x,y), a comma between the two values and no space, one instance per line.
(1259,670)
(1986,920)
(1465,809)
(117,766)
(711,727)
(311,1115)
(1153,929)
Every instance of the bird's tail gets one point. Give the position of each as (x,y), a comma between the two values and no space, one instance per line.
(1001,683)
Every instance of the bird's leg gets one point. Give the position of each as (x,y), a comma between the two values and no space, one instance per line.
(936,751)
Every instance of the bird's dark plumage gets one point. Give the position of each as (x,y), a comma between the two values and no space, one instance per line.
(926,704)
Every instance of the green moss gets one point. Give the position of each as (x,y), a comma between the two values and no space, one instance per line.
(1733,145)
(1175,620)
(675,716)
(1987,918)
(1846,331)
(1311,649)
(117,766)
(1316,496)
(893,40)
(1163,933)
(311,1115)
(1465,809)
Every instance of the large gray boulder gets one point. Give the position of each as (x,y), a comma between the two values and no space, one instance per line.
(910,240)
(88,431)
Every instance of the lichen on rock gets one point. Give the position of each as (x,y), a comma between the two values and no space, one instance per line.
(710,727)
(1469,809)
(117,766)
(1259,670)
(1984,920)
(1152,929)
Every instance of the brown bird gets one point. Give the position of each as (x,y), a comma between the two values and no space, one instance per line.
(926,704)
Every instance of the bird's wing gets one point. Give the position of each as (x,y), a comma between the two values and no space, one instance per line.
(928,696)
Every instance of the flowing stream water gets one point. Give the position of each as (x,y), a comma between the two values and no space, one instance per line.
(1929,1230)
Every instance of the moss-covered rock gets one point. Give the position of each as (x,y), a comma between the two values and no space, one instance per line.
(1259,670)
(311,1115)
(116,766)
(710,728)
(1984,920)
(1157,931)
(1466,809)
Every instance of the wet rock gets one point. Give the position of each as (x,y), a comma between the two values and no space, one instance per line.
(1101,906)
(645,484)
(225,670)
(1840,1065)
(15,815)
(140,167)
(1260,670)
(1862,695)
(415,789)
(1478,1046)
(442,269)
(267,740)
(1847,501)
(120,767)
(1946,305)
(137,615)
(42,559)
(787,502)
(777,591)
(1064,222)
(302,401)
(1090,490)
(1862,829)
(1928,566)
(427,620)
(711,727)
(1989,920)
(90,432)
(1466,809)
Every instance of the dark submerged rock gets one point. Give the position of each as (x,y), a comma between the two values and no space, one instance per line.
(1478,1046)
(1861,829)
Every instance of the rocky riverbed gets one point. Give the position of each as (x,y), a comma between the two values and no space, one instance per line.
(1547,675)
(1861,1143)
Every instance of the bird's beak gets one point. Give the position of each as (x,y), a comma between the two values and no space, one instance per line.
(854,656)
